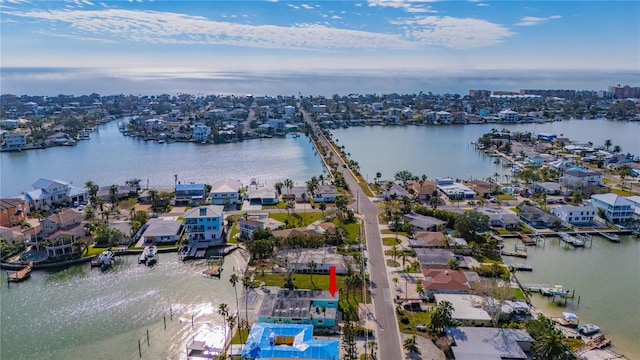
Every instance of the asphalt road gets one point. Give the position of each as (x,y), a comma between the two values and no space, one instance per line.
(387,331)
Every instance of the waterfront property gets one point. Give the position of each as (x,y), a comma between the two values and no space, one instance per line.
(470,343)
(420,222)
(47,193)
(434,258)
(59,231)
(204,227)
(314,307)
(225,191)
(575,215)
(317,261)
(454,190)
(536,217)
(287,341)
(578,177)
(447,281)
(500,217)
(617,209)
(190,194)
(161,230)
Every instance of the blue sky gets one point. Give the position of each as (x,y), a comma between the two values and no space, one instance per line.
(168,38)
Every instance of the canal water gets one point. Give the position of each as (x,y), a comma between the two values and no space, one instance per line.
(438,151)
(84,313)
(111,158)
(604,275)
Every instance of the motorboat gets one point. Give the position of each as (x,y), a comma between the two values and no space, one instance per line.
(149,255)
(588,329)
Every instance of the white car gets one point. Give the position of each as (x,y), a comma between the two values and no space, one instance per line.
(81,207)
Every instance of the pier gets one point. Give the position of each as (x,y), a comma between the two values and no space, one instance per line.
(214,266)
(609,236)
(20,275)
(518,251)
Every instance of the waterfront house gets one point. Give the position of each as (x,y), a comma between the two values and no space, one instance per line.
(454,190)
(262,195)
(13,212)
(617,209)
(225,191)
(535,159)
(500,217)
(287,341)
(47,192)
(550,188)
(190,194)
(484,189)
(578,177)
(161,230)
(467,309)
(326,193)
(204,226)
(201,133)
(60,231)
(508,116)
(315,307)
(473,343)
(122,192)
(575,215)
(13,141)
(257,221)
(536,217)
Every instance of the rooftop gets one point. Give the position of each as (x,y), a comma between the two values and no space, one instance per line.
(287,341)
(474,343)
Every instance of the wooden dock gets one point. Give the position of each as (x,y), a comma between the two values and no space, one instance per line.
(214,267)
(20,275)
(520,254)
(526,239)
(609,236)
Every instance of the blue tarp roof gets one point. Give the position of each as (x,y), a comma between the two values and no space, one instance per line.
(261,343)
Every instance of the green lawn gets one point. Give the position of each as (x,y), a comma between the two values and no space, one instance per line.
(505,196)
(236,339)
(307,217)
(415,318)
(352,231)
(399,253)
(390,241)
(93,251)
(622,192)
(392,263)
(518,294)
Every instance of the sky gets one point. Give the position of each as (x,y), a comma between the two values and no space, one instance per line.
(360,46)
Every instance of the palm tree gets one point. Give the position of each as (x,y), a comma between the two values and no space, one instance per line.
(373,345)
(153,194)
(247,284)
(323,207)
(617,149)
(607,144)
(234,279)
(550,346)
(278,187)
(231,320)
(410,345)
(312,267)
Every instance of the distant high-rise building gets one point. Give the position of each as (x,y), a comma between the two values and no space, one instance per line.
(480,94)
(624,92)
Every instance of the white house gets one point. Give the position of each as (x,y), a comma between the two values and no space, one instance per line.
(617,208)
(162,231)
(225,191)
(467,309)
(509,116)
(575,215)
(13,140)
(579,177)
(443,117)
(48,192)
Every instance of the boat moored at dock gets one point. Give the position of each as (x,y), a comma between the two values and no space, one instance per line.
(149,255)
(588,329)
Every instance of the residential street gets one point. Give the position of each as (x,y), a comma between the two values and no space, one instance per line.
(387,332)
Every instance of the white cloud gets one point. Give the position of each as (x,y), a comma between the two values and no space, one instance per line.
(336,17)
(412,6)
(293,6)
(532,20)
(174,28)
(307,6)
(483,4)
(456,33)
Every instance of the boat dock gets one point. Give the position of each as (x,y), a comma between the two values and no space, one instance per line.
(199,350)
(518,251)
(609,236)
(20,275)
(214,267)
(522,267)
(526,239)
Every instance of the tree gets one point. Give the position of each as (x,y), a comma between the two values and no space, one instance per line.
(349,341)
(234,279)
(434,201)
(528,176)
(550,346)
(312,268)
(469,222)
(494,293)
(341,202)
(153,194)
(607,144)
(441,317)
(278,187)
(410,345)
(404,176)
(223,311)
(323,207)
(616,149)
(623,172)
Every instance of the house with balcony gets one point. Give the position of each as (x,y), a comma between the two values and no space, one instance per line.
(508,116)
(204,227)
(47,193)
(499,217)
(315,307)
(190,194)
(13,212)
(617,209)
(225,191)
(13,141)
(575,215)
(60,231)
(536,217)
